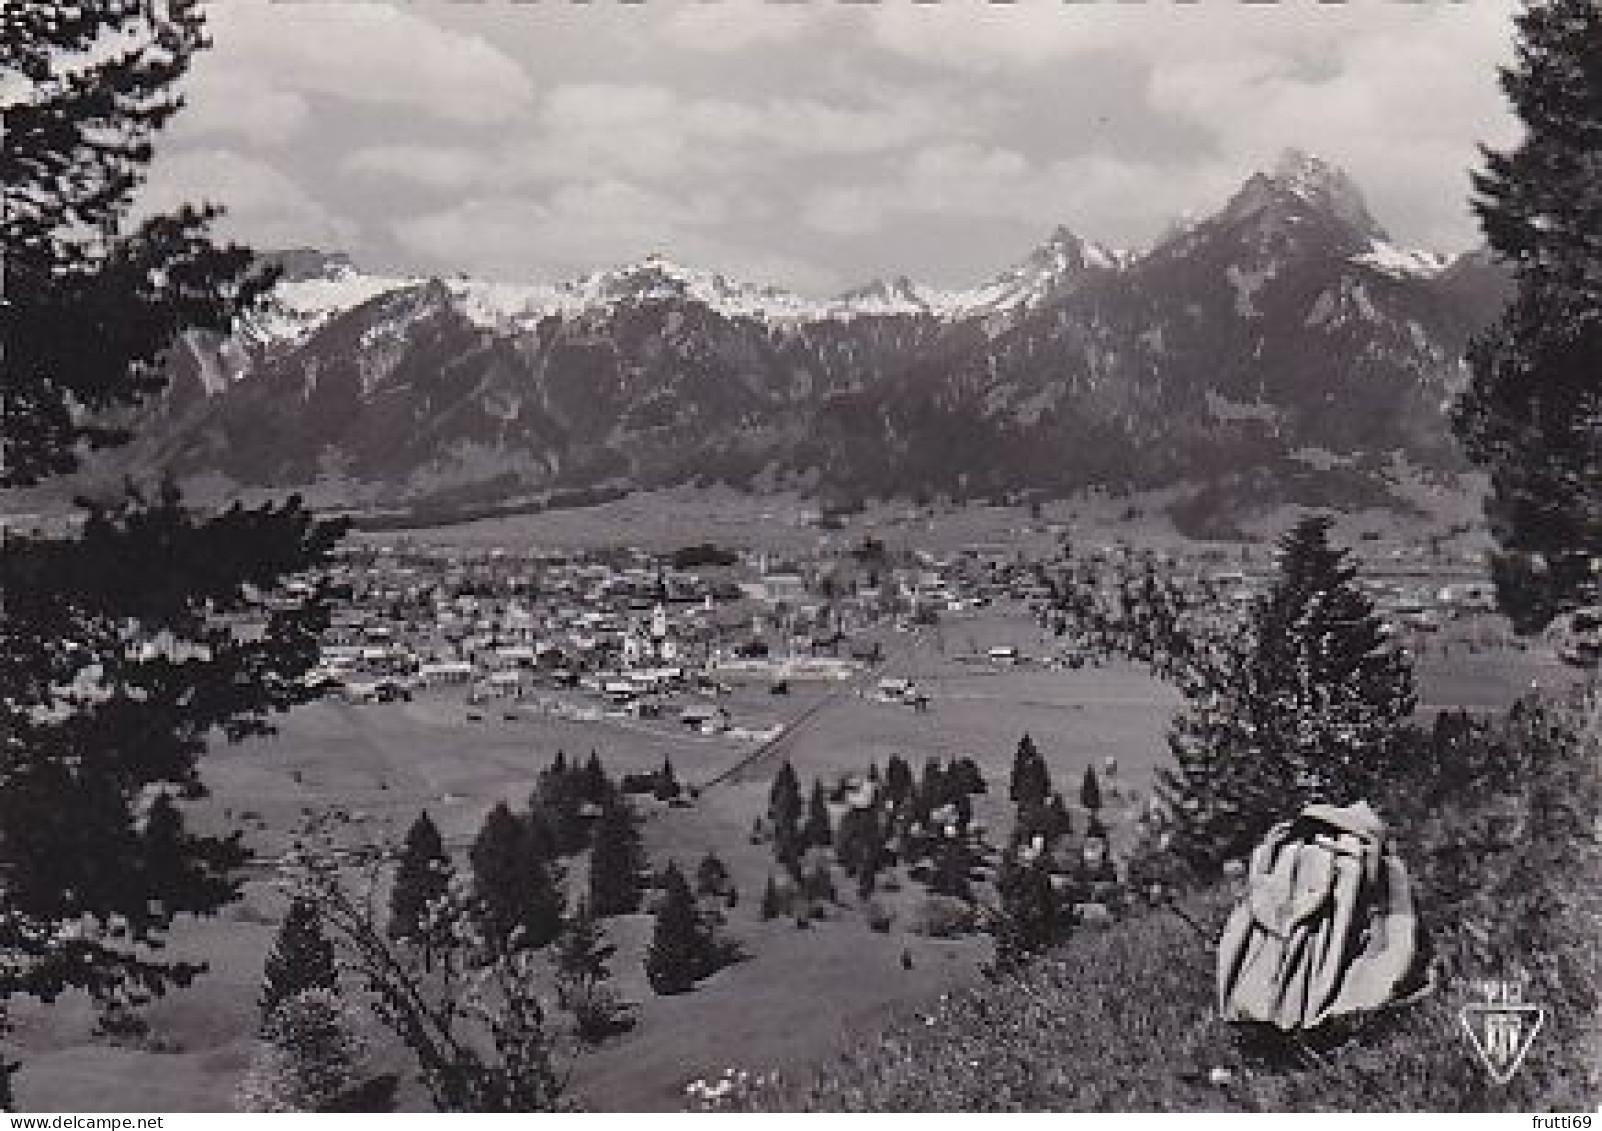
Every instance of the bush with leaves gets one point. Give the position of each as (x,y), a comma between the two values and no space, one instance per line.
(1032,917)
(582,957)
(471,1020)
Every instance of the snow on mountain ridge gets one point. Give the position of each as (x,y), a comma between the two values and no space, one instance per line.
(1403,262)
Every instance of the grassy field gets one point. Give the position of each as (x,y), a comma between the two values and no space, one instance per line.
(797,997)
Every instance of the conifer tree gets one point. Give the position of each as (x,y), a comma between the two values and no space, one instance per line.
(310,1057)
(817,832)
(143,587)
(301,959)
(518,886)
(617,862)
(711,876)
(898,780)
(557,801)
(1030,783)
(595,787)
(785,809)
(683,948)
(784,797)
(1531,414)
(1031,917)
(1308,703)
(818,884)
(953,867)
(667,782)
(421,880)
(772,902)
(1090,790)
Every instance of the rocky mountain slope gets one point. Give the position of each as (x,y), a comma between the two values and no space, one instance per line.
(1283,335)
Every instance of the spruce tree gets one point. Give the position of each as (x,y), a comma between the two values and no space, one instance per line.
(785,809)
(301,959)
(518,886)
(898,780)
(143,587)
(1531,414)
(773,904)
(1090,790)
(310,1057)
(711,876)
(817,832)
(558,800)
(594,786)
(617,862)
(667,782)
(421,880)
(1309,703)
(683,949)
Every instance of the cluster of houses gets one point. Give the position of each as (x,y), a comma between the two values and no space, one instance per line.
(630,627)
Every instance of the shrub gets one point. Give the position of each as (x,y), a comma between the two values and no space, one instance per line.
(943,917)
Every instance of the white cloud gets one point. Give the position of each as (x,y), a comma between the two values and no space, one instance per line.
(721,29)
(265,207)
(223,101)
(579,226)
(371,53)
(441,168)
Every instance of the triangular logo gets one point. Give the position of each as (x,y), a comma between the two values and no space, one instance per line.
(1502,1034)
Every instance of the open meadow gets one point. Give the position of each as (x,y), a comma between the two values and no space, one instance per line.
(798,993)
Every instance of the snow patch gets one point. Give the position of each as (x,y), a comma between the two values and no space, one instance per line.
(1402,262)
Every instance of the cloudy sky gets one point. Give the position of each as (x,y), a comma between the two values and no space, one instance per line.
(816,144)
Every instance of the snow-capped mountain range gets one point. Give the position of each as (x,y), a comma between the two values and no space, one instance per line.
(331,285)
(1285,323)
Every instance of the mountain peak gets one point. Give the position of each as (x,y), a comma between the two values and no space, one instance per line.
(1301,181)
(1301,184)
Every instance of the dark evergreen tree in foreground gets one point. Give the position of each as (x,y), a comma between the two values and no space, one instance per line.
(421,881)
(1532,412)
(1309,703)
(684,948)
(516,881)
(116,659)
(301,959)
(617,862)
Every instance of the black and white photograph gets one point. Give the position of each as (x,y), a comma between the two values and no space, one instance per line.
(737,556)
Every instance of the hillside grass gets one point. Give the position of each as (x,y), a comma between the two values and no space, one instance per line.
(1499,825)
